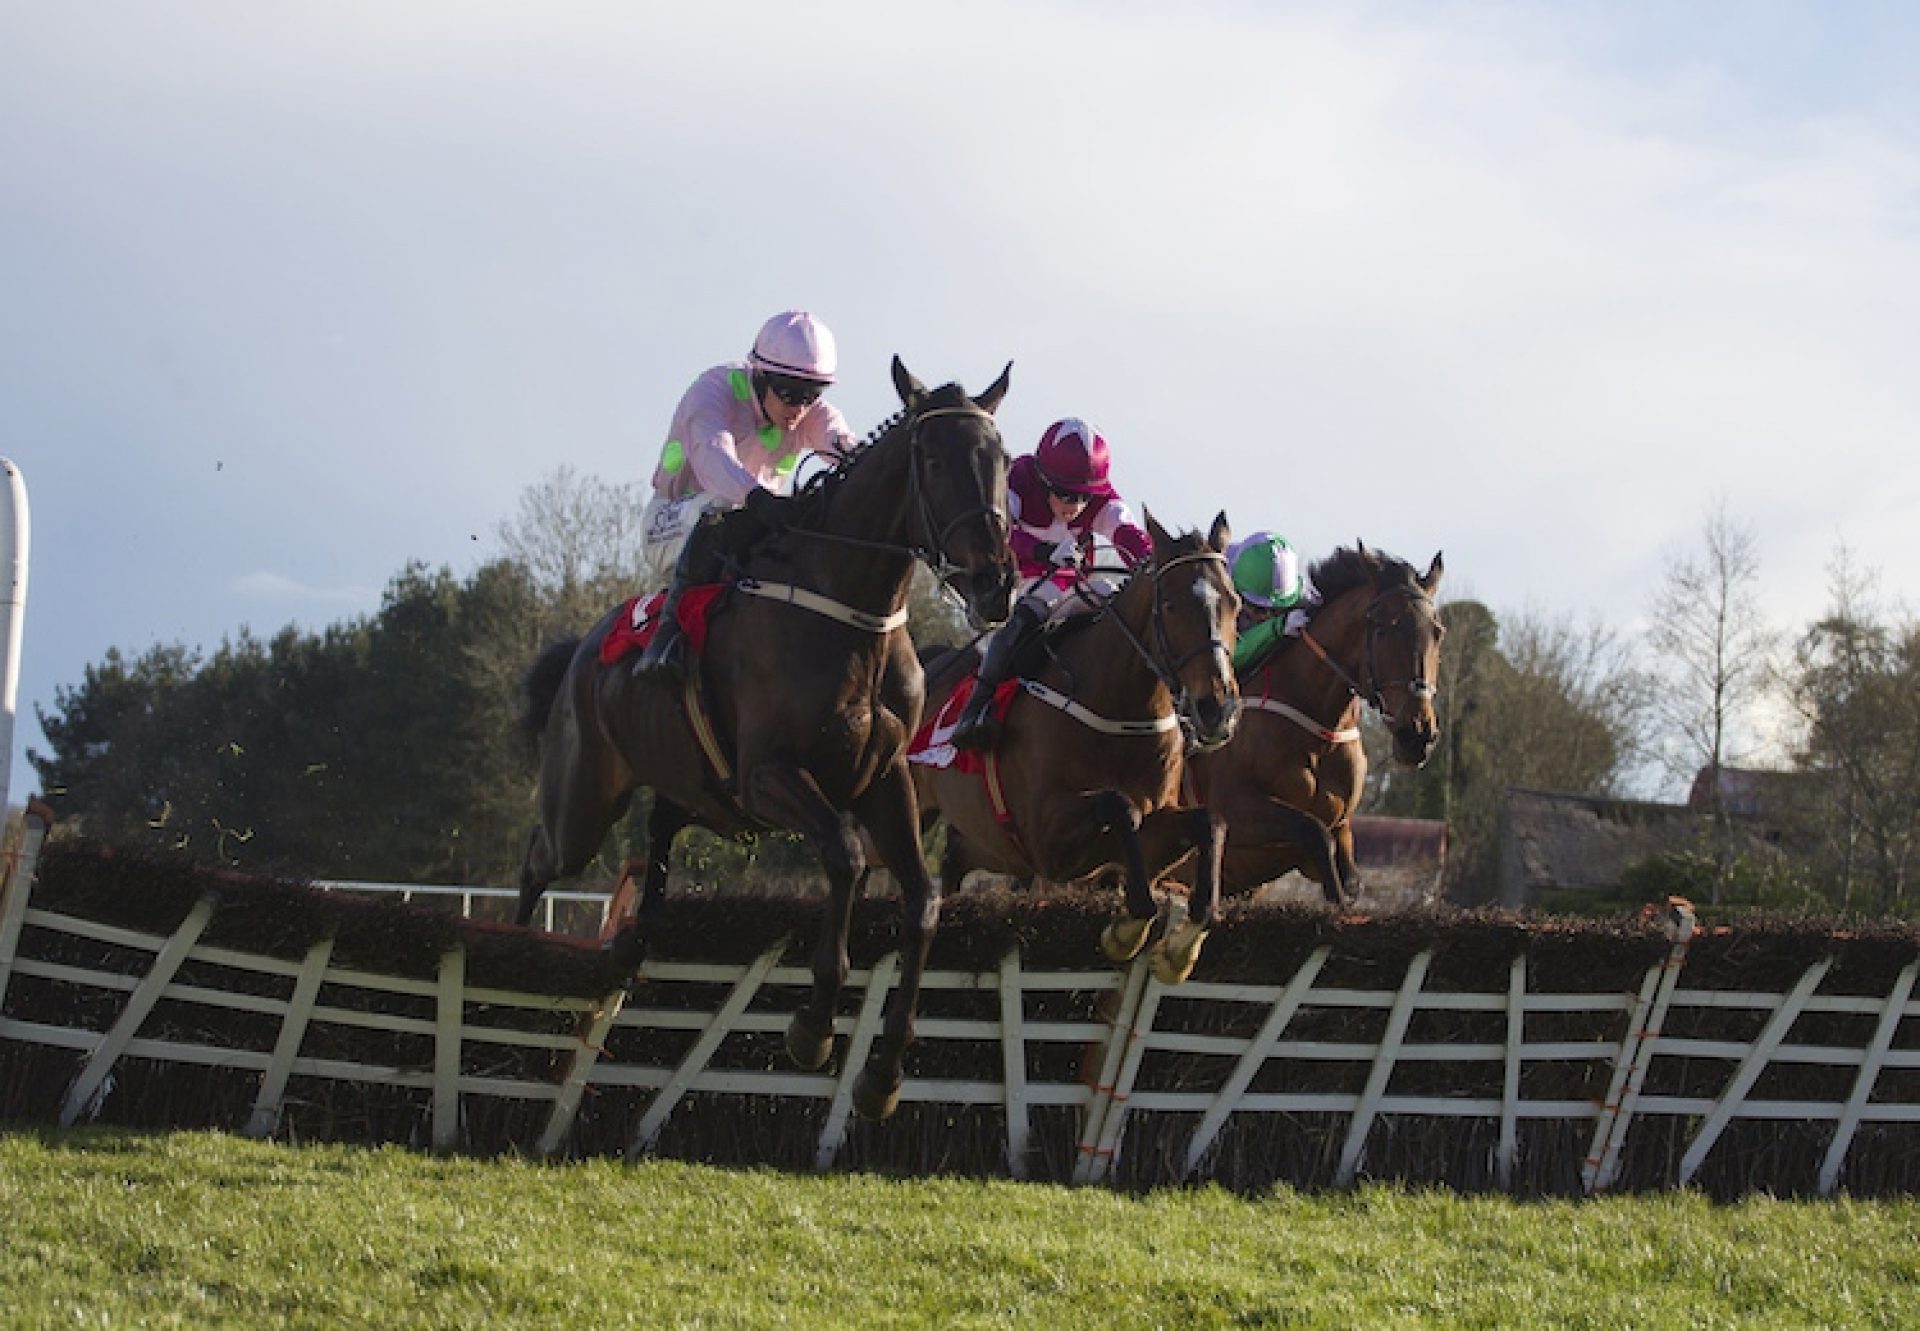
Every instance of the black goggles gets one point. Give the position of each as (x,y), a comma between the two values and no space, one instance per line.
(796,392)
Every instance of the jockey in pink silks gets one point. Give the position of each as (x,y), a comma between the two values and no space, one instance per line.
(735,440)
(1060,498)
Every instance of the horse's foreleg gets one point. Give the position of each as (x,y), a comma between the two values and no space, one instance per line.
(1122,940)
(788,796)
(1169,836)
(889,812)
(1349,891)
(1266,838)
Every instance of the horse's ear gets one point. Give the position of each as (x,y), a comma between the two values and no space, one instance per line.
(911,390)
(990,400)
(1222,534)
(1159,534)
(1434,570)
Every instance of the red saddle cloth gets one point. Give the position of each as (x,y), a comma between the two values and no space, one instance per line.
(933,746)
(639,620)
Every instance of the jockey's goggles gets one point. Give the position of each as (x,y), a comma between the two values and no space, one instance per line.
(795,392)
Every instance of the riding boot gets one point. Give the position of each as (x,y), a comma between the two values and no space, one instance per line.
(702,560)
(977,726)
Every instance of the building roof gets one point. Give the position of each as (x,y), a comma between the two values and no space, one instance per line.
(1557,841)
(1752,791)
(1407,841)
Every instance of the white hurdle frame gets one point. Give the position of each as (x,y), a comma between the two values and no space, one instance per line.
(1121,1040)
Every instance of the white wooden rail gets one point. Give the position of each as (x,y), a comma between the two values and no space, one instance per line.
(1126,1038)
(465,898)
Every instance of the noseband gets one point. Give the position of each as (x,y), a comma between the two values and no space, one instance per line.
(1374,692)
(1163,646)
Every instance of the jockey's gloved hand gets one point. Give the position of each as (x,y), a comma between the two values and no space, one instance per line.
(1063,553)
(767,508)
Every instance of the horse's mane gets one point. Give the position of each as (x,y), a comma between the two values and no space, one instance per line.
(811,499)
(1346,569)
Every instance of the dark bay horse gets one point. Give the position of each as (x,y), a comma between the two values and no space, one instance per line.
(1089,757)
(813,690)
(1374,639)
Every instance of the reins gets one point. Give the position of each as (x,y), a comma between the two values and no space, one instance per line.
(930,550)
(1373,692)
(1168,676)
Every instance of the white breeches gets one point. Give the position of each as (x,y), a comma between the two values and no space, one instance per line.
(664,530)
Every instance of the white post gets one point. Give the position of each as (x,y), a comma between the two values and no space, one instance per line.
(14,531)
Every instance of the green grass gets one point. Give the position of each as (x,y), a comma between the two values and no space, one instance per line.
(198,1229)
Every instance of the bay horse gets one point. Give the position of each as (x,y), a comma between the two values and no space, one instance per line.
(1084,778)
(811,687)
(1374,639)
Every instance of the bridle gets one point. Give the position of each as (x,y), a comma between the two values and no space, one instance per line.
(1373,692)
(932,551)
(931,548)
(1160,659)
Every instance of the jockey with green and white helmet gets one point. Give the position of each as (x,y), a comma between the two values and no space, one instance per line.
(734,442)
(1272,587)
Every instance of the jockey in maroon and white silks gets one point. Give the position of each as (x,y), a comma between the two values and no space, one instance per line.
(1060,497)
(1051,532)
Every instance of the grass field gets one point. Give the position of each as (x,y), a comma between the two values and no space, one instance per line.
(195,1229)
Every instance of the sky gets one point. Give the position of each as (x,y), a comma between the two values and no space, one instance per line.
(293,294)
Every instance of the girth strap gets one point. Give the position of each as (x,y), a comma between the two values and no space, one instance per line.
(1301,719)
(997,800)
(703,728)
(1159,725)
(822,605)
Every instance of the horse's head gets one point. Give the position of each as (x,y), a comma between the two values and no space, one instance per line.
(1403,654)
(959,478)
(1195,612)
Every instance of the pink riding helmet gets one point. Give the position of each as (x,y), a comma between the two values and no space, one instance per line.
(795,344)
(1073,456)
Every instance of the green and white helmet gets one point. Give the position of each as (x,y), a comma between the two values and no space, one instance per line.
(1266,571)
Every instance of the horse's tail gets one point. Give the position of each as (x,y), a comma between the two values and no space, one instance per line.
(541,686)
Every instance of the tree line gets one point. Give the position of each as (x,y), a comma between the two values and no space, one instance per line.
(388,748)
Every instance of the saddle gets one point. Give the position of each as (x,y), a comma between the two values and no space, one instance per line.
(933,746)
(635,626)
(639,620)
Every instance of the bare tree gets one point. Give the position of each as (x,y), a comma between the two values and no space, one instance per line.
(1588,672)
(1855,681)
(1713,650)
(578,537)
(1528,699)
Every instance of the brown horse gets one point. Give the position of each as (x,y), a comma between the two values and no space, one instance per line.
(812,689)
(1375,638)
(1088,760)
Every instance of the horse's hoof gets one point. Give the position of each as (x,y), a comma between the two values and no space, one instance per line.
(1123,939)
(808,1048)
(873,1099)
(1175,955)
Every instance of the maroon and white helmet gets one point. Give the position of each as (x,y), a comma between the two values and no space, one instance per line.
(796,345)
(1072,457)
